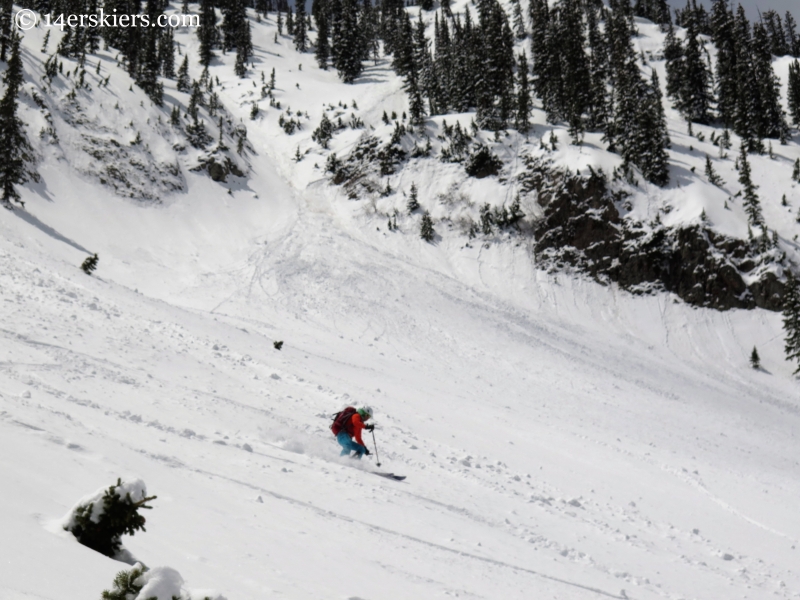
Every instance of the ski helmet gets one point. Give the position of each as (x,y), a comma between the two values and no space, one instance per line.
(365,411)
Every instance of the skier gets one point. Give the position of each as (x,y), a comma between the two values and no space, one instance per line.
(347,426)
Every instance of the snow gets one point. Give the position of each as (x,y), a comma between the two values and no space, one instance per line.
(163,583)
(561,439)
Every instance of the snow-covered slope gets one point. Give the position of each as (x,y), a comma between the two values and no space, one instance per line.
(561,439)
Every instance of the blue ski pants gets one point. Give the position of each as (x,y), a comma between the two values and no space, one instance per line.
(348,445)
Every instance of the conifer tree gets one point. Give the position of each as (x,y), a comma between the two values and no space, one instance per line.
(428,85)
(240,66)
(655,10)
(752,205)
(236,31)
(15,150)
(541,57)
(347,42)
(755,359)
(90,264)
(127,584)
(771,121)
(711,174)
(522,119)
(262,7)
(598,71)
(166,53)
(426,231)
(493,48)
(6,30)
(637,124)
(746,114)
(323,134)
(575,67)
(520,30)
(413,201)
(290,21)
(793,93)
(195,100)
(695,90)
(673,55)
(207,31)
(322,51)
(791,321)
(184,85)
(792,39)
(300,28)
(796,171)
(777,35)
(119,515)
(651,135)
(149,66)
(403,53)
(726,69)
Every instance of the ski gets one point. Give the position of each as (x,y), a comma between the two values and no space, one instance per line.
(390,475)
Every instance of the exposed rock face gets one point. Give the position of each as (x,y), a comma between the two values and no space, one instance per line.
(219,167)
(582,227)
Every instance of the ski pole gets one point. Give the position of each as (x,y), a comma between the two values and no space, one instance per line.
(377,458)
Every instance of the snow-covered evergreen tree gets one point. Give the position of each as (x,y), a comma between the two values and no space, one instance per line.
(793,92)
(324,132)
(207,31)
(755,359)
(522,120)
(322,51)
(347,42)
(791,321)
(16,153)
(722,24)
(752,204)
(413,202)
(183,83)
(695,97)
(301,28)
(426,231)
(89,265)
(100,522)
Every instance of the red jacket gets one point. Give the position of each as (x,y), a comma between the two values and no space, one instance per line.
(354,428)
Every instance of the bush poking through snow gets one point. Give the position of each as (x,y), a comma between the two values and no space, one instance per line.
(482,163)
(125,585)
(278,344)
(98,522)
(90,264)
(158,583)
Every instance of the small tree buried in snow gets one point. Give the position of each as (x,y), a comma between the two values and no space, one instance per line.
(323,134)
(755,359)
(99,521)
(158,583)
(125,585)
(413,201)
(90,264)
(426,231)
(482,163)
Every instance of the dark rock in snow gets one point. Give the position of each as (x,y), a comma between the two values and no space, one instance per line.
(583,227)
